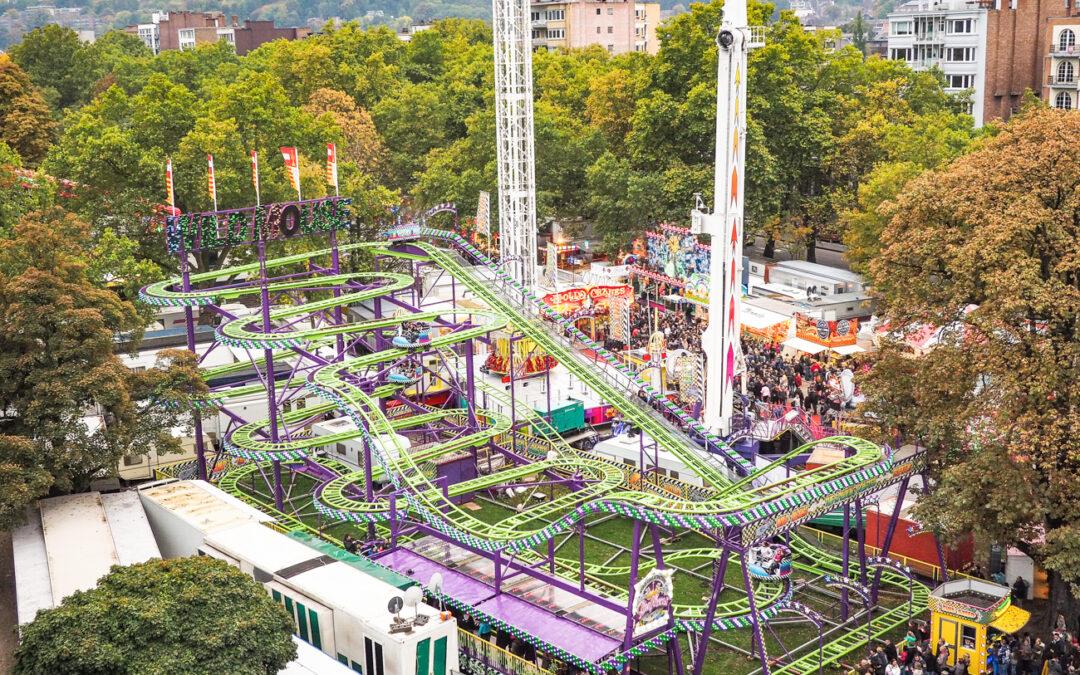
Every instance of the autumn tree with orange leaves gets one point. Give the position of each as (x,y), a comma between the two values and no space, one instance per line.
(989,248)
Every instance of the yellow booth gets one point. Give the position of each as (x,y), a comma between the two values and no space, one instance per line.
(967,614)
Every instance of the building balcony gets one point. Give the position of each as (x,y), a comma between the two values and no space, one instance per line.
(930,37)
(1064,52)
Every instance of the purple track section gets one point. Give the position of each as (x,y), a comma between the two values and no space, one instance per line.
(574,638)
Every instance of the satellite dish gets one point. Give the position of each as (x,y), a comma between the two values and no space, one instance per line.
(413,596)
(395,604)
(435,583)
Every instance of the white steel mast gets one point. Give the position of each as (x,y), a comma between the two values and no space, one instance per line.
(514,138)
(720,341)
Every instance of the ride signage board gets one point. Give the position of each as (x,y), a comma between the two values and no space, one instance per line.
(827,333)
(653,601)
(193,232)
(573,299)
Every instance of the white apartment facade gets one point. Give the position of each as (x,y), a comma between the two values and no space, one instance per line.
(949,34)
(619,26)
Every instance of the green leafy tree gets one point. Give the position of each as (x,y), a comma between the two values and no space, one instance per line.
(57,359)
(988,249)
(55,59)
(24,479)
(25,122)
(189,615)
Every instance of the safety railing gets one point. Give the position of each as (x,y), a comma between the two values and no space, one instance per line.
(481,657)
(924,568)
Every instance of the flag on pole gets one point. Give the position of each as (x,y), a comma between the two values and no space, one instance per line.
(292,165)
(331,166)
(169,184)
(255,174)
(211,184)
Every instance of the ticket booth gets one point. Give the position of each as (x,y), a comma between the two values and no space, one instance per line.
(968,613)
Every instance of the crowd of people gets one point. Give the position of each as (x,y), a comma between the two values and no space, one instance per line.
(1020,654)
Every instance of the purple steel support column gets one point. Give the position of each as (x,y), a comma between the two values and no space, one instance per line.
(758,638)
(498,572)
(710,610)
(937,542)
(189,322)
(889,532)
(271,385)
(581,555)
(845,562)
(860,534)
(547,388)
(335,266)
(394,525)
(551,555)
(635,560)
(513,400)
(470,382)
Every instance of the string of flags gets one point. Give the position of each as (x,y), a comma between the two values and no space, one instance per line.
(289,154)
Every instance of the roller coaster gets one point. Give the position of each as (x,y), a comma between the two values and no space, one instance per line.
(316,356)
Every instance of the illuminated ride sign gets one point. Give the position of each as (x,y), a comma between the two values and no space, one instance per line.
(653,601)
(193,232)
(574,299)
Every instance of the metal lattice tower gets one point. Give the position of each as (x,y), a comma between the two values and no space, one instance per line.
(514,138)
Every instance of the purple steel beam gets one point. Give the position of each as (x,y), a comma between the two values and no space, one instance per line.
(845,562)
(635,559)
(860,534)
(189,322)
(890,531)
(710,610)
(758,638)
(271,394)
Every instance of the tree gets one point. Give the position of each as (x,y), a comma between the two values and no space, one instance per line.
(26,124)
(988,250)
(362,145)
(189,615)
(57,359)
(23,477)
(858,33)
(53,56)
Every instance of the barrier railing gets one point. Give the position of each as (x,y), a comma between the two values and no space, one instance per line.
(481,657)
(924,568)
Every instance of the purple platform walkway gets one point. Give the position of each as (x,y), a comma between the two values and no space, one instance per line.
(576,639)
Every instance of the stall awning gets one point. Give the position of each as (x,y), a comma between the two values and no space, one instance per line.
(802,345)
(1011,620)
(759,317)
(845,350)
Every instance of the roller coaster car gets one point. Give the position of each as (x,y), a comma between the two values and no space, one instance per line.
(404,375)
(412,336)
(770,561)
(406,232)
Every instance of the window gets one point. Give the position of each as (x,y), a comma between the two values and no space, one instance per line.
(961,26)
(187,38)
(900,54)
(537,34)
(1065,72)
(536,16)
(610,11)
(961,81)
(1066,40)
(556,33)
(967,637)
(340,448)
(374,657)
(556,14)
(611,48)
(960,54)
(610,30)
(598,30)
(133,460)
(597,11)
(1063,101)
(901,28)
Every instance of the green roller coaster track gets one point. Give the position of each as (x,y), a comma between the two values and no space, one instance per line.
(606,486)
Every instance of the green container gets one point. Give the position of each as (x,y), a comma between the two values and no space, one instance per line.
(568,415)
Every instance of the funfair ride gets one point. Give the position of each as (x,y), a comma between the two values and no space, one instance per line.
(316,356)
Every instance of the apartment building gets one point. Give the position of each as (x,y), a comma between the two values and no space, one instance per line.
(1062,63)
(949,34)
(186,30)
(1016,46)
(619,26)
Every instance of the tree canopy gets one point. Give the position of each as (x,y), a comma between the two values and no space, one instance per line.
(189,615)
(987,249)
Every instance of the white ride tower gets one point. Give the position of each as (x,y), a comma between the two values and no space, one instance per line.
(514,138)
(720,341)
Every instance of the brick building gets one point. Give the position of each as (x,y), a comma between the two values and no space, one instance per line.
(998,49)
(620,26)
(186,30)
